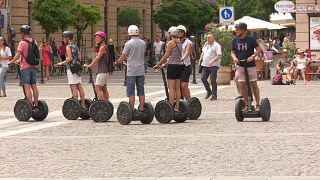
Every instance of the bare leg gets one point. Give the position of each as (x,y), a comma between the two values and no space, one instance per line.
(35,94)
(178,94)
(105,92)
(172,91)
(256,92)
(295,75)
(185,91)
(141,101)
(244,92)
(303,73)
(131,102)
(28,93)
(99,92)
(82,96)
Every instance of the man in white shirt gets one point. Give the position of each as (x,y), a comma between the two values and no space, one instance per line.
(210,63)
(157,48)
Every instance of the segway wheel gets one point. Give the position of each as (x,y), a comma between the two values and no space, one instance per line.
(100,111)
(265,109)
(183,108)
(195,108)
(164,112)
(148,109)
(22,110)
(42,113)
(124,113)
(238,109)
(71,109)
(85,113)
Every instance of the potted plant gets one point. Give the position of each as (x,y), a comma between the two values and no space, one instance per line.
(224,38)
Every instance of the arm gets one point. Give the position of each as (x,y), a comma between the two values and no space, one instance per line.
(166,55)
(68,57)
(234,57)
(187,53)
(50,49)
(16,57)
(102,50)
(122,58)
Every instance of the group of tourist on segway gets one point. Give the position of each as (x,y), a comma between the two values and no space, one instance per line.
(178,104)
(99,109)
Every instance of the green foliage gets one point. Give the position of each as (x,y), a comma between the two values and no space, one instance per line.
(291,47)
(253,8)
(224,38)
(84,16)
(194,14)
(129,16)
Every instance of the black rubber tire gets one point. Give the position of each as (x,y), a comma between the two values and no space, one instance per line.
(22,110)
(265,109)
(85,114)
(71,109)
(164,112)
(148,109)
(195,108)
(238,109)
(100,111)
(43,113)
(124,113)
(183,108)
(111,110)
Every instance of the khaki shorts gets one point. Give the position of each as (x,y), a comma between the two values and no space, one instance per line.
(252,71)
(287,70)
(102,79)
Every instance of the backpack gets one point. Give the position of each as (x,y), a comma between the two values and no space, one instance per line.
(277,79)
(109,61)
(75,66)
(33,53)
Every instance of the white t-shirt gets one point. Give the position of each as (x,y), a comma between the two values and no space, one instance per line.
(209,52)
(157,47)
(301,62)
(5,53)
(185,44)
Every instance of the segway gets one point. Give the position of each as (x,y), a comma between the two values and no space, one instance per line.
(100,110)
(164,111)
(23,109)
(265,107)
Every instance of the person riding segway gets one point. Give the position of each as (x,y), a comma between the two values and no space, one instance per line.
(243,55)
(134,51)
(28,54)
(101,109)
(172,108)
(72,109)
(193,102)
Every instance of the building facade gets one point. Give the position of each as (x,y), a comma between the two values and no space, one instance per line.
(308,24)
(19,12)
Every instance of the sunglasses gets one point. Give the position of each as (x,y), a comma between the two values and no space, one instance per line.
(180,31)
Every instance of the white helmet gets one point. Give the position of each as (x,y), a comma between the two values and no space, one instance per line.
(173,31)
(133,30)
(182,27)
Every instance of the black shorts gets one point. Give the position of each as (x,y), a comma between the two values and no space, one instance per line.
(174,71)
(185,74)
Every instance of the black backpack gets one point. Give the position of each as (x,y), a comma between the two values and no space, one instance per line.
(109,61)
(33,53)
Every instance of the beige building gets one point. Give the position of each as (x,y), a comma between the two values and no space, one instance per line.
(308,24)
(19,12)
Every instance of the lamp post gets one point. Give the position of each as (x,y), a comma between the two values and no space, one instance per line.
(105,16)
(152,40)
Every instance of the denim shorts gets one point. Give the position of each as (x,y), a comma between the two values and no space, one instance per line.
(29,76)
(133,81)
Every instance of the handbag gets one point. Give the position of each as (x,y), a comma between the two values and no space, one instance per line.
(277,79)
(75,68)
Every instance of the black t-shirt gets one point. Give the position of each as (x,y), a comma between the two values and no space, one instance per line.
(111,51)
(244,48)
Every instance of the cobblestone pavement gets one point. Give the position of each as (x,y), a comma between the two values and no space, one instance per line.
(214,147)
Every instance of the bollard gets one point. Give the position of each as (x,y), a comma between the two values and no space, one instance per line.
(41,72)
(194,81)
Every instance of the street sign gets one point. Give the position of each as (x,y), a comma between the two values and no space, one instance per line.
(226,15)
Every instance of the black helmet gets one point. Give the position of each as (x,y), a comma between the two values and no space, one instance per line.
(25,29)
(241,25)
(67,34)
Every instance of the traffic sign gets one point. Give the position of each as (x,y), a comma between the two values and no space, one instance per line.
(226,15)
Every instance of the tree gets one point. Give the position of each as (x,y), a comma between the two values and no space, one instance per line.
(84,16)
(194,14)
(129,16)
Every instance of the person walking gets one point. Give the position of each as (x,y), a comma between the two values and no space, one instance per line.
(73,58)
(46,58)
(173,58)
(134,51)
(62,54)
(186,61)
(243,47)
(28,71)
(5,56)
(103,62)
(210,62)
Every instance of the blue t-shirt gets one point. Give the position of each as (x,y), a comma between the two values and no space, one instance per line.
(244,48)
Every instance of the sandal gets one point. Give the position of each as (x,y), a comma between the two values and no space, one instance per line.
(245,109)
